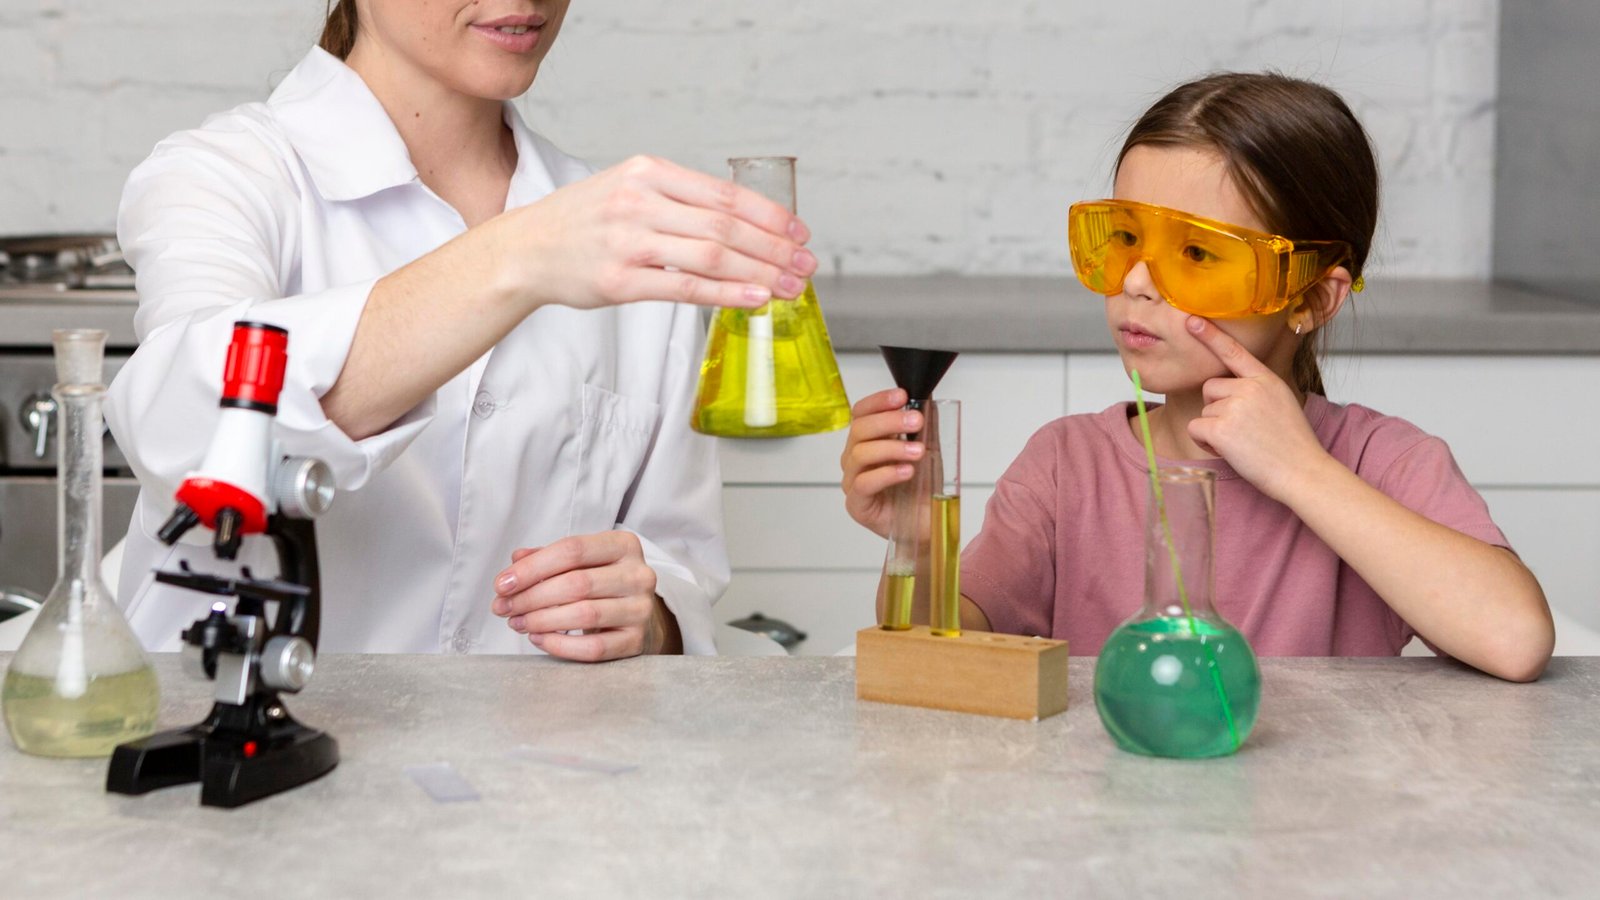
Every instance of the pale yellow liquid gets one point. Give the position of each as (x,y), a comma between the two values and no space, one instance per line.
(114,709)
(809,396)
(945,596)
(897,601)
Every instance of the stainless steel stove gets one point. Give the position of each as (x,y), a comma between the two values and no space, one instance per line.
(49,282)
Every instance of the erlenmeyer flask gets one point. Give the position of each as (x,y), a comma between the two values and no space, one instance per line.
(1176,680)
(770,372)
(79,684)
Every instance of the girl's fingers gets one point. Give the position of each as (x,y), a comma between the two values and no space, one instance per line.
(872,454)
(877,426)
(586,615)
(602,645)
(872,482)
(882,401)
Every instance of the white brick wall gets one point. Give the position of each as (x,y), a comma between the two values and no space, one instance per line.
(932,134)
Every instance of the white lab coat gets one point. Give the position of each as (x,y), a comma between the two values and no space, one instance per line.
(577,422)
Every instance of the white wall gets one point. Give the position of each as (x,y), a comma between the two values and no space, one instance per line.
(933,135)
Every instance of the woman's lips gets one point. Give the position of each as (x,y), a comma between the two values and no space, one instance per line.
(501,32)
(1135,338)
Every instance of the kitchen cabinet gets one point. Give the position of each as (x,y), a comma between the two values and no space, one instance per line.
(797,556)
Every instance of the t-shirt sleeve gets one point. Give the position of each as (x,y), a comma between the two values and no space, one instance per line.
(1008,570)
(1425,479)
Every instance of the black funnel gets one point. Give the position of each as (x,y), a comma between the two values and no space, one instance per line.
(917,371)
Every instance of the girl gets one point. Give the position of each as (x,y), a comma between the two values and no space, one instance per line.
(509,427)
(1340,531)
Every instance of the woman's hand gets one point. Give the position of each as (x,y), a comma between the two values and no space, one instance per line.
(596,583)
(876,459)
(647,229)
(1253,420)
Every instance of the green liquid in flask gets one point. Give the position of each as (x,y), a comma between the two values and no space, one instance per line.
(1156,686)
(112,710)
(771,378)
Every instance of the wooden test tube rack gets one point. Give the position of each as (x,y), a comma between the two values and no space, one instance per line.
(977,672)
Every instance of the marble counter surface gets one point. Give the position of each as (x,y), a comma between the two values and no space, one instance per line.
(766,778)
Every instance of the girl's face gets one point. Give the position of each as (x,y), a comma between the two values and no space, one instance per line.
(1150,334)
(490,49)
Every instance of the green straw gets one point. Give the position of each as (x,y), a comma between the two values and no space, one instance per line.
(1172,551)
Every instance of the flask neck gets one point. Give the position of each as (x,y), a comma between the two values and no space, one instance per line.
(770,176)
(78,511)
(1180,531)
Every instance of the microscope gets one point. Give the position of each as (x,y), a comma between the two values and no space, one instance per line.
(248,747)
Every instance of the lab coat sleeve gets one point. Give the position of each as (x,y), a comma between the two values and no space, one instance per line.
(211,227)
(675,505)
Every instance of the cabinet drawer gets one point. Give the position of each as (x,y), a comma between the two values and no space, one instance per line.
(1557,534)
(1007,397)
(1502,416)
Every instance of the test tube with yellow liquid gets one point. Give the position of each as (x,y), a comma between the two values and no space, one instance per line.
(917,371)
(942,434)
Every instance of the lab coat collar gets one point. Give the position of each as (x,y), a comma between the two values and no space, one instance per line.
(339,129)
(351,147)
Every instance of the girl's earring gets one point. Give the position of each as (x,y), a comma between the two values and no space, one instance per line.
(1298,326)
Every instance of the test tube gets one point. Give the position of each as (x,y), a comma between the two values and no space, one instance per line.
(942,437)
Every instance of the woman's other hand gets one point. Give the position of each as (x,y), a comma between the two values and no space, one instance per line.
(595,583)
(876,459)
(647,229)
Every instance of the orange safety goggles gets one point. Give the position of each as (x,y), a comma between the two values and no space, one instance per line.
(1201,266)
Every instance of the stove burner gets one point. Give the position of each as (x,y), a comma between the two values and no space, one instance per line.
(64,262)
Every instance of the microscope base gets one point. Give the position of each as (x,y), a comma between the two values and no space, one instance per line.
(233,767)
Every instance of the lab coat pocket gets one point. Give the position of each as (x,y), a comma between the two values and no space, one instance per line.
(614,437)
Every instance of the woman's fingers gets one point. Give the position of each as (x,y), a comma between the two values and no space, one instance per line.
(602,645)
(717,262)
(687,287)
(583,584)
(726,230)
(585,615)
(719,194)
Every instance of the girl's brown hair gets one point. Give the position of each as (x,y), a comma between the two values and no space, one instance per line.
(1296,151)
(339,32)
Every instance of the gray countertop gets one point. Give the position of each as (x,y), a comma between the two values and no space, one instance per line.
(765,777)
(1004,314)
(1056,314)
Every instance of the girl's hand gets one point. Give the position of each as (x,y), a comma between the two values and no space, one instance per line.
(597,583)
(647,229)
(875,458)
(1253,420)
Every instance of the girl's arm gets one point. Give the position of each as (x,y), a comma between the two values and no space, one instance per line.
(1474,601)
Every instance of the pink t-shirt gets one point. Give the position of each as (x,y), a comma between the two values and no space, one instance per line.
(1062,547)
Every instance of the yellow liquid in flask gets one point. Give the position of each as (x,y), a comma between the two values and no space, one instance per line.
(945,594)
(113,709)
(770,372)
(902,587)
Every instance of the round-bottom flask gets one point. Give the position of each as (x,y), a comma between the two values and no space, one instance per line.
(1176,679)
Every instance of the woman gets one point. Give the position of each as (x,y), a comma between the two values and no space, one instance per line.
(507,423)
